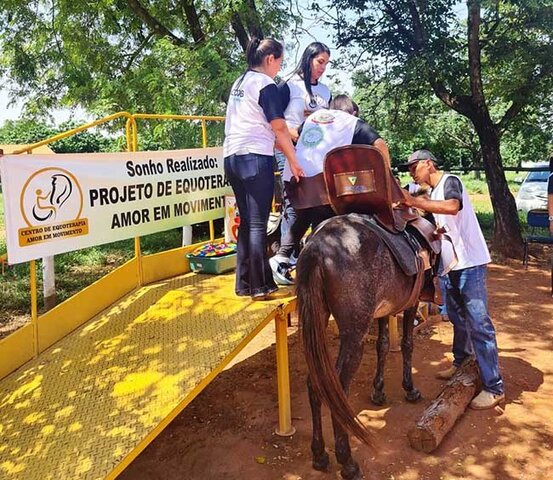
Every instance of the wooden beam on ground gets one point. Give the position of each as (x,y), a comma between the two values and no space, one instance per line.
(440,416)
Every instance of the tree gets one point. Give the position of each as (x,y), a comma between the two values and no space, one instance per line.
(162,56)
(494,68)
(31,131)
(408,121)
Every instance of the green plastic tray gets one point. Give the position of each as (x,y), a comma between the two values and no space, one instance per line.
(214,265)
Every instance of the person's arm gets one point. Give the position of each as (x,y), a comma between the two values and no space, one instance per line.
(285,145)
(445,207)
(270,101)
(364,134)
(451,205)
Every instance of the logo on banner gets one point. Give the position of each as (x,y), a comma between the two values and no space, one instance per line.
(51,204)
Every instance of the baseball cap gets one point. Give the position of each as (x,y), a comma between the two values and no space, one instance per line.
(417,156)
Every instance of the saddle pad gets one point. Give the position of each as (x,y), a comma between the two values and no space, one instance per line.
(402,245)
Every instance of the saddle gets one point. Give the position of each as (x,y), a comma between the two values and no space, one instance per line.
(360,183)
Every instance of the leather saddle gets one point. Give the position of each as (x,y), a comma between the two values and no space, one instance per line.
(358,181)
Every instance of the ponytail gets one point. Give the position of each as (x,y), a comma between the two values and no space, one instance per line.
(258,49)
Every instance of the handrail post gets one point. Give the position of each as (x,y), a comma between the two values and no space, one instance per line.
(285,427)
(34,307)
(204,145)
(132,145)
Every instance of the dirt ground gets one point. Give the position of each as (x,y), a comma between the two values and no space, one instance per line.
(227,432)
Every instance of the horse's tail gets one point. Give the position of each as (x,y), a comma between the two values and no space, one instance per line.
(313,313)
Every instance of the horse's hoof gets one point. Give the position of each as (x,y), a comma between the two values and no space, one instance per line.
(413,396)
(378,398)
(322,462)
(351,472)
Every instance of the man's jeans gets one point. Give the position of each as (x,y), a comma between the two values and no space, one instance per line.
(473,332)
(253,181)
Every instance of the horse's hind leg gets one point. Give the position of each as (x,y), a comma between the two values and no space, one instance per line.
(320,457)
(382,348)
(411,393)
(349,359)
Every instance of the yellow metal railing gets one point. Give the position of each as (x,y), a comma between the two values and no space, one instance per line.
(284,427)
(131,135)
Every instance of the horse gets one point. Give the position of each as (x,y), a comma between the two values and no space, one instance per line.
(347,270)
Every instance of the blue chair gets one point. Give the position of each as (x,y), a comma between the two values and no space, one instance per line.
(539,230)
(539,233)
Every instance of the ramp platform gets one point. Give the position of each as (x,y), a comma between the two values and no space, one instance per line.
(87,406)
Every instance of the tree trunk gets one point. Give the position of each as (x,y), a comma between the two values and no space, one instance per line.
(507,238)
(440,416)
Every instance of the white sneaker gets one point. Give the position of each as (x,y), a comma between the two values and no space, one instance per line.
(485,400)
(281,270)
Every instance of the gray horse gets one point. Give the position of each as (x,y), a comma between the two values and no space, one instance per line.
(348,271)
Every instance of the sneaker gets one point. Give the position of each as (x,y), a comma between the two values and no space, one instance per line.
(447,374)
(293,260)
(264,295)
(485,400)
(281,270)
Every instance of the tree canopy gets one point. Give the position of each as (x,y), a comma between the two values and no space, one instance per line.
(489,61)
(176,56)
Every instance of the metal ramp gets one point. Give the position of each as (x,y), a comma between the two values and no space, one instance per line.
(87,406)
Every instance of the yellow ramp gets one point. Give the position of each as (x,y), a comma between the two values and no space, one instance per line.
(88,405)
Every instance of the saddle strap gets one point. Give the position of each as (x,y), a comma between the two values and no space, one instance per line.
(416,290)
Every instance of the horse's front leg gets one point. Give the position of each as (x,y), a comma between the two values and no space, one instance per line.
(320,457)
(411,393)
(382,348)
(349,359)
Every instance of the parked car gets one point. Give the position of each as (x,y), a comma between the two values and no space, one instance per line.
(533,191)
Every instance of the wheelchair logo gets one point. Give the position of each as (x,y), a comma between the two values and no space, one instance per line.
(51,204)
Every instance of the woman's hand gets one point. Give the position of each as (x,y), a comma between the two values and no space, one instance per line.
(297,171)
(294,134)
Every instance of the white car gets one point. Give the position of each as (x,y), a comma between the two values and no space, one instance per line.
(533,191)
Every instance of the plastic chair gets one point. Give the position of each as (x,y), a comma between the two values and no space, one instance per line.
(539,233)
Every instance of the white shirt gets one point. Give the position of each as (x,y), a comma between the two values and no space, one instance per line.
(463,230)
(247,127)
(322,131)
(300,105)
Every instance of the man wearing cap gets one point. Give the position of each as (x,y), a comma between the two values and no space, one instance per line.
(465,283)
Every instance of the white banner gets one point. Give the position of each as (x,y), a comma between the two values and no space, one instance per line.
(58,203)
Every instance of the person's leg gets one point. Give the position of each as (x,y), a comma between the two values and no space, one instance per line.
(462,347)
(295,234)
(258,178)
(320,214)
(287,211)
(442,309)
(242,282)
(482,331)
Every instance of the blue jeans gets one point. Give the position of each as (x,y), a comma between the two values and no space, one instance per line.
(473,331)
(442,309)
(252,179)
(288,213)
